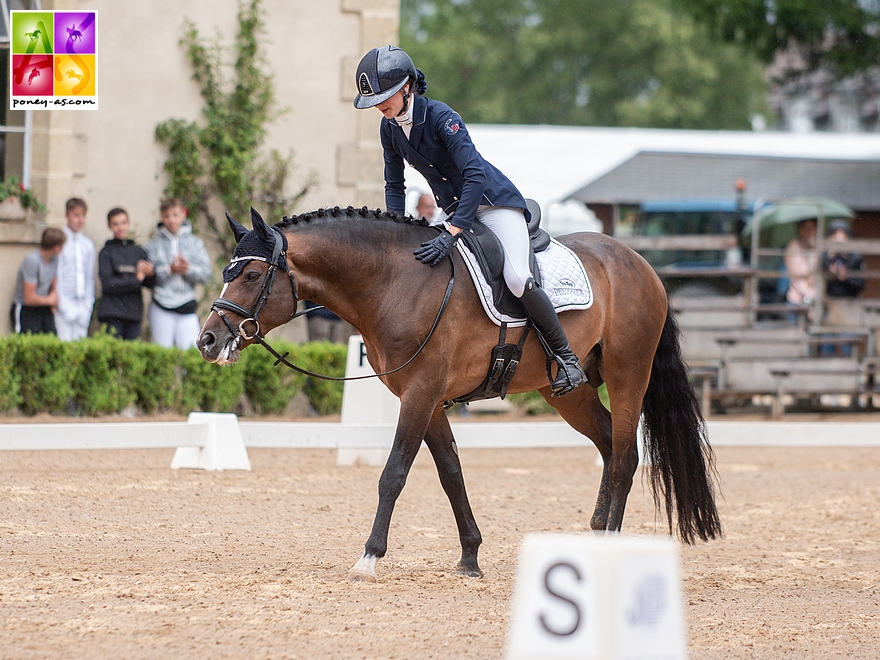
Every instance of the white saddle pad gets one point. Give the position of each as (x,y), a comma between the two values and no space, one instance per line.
(562,274)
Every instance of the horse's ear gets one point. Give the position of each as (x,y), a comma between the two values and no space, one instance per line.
(238,230)
(260,226)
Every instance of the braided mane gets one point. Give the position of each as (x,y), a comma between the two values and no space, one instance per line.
(351,213)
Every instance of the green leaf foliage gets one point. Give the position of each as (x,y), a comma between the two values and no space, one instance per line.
(643,63)
(531,403)
(102,382)
(10,376)
(12,187)
(328,360)
(221,159)
(46,368)
(208,387)
(154,376)
(270,388)
(103,375)
(842,36)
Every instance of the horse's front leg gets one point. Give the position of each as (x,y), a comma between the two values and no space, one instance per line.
(411,427)
(442,445)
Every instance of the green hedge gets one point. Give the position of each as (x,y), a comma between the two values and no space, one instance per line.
(532,403)
(103,375)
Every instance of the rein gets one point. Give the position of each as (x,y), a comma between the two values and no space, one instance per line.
(251,315)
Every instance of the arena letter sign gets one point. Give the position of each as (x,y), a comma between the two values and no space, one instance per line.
(583,597)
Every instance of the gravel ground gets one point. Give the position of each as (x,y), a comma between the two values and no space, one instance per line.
(111,554)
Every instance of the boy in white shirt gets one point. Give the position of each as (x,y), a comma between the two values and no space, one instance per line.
(76,275)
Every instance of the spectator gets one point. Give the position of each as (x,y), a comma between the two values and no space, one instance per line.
(426,208)
(76,275)
(36,286)
(123,267)
(839,266)
(801,262)
(180,261)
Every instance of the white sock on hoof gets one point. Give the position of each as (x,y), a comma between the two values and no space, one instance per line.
(364,570)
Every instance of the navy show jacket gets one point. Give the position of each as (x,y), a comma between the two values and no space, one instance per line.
(440,148)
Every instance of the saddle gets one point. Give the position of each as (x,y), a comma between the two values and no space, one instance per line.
(487,251)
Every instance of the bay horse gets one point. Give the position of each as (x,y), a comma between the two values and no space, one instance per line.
(359,264)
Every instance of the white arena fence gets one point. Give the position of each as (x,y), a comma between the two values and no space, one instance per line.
(218,441)
(214,441)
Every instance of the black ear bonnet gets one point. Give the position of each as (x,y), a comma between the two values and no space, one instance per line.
(262,243)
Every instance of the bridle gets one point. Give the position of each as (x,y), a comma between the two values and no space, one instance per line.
(251,316)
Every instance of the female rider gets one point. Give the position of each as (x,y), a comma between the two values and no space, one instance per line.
(432,138)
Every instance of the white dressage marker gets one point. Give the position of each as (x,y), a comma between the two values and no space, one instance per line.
(223,448)
(365,401)
(587,597)
(207,441)
(368,400)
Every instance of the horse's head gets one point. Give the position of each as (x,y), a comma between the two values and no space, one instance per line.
(252,302)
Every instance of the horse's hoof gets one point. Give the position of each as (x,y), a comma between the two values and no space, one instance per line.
(357,576)
(364,570)
(468,572)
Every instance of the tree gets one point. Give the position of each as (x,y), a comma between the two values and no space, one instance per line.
(223,160)
(581,62)
(840,35)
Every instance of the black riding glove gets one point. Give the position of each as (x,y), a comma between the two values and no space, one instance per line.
(433,251)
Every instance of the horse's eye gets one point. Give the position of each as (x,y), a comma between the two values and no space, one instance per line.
(252,276)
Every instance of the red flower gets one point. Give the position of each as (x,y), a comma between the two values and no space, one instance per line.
(23,189)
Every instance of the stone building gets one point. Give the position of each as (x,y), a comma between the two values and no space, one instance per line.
(109,156)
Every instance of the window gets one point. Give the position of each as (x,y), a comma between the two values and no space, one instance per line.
(15,125)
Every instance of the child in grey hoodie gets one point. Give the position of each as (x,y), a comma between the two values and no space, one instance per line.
(181,261)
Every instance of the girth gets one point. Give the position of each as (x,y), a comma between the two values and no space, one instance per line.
(502,367)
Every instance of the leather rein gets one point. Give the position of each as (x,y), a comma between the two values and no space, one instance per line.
(251,316)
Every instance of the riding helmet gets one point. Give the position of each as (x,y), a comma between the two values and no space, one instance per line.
(381,74)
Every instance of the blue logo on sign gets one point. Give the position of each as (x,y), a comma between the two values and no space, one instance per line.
(650,602)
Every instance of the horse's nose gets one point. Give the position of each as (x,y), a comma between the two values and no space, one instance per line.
(206,341)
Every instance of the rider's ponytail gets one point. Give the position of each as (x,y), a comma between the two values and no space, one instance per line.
(420,86)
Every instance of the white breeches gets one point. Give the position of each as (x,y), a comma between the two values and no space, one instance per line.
(509,225)
(169,329)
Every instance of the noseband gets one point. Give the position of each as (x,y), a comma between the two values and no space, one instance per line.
(253,315)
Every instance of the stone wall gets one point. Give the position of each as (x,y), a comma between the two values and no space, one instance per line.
(109,156)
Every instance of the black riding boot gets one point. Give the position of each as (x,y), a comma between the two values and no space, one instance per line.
(540,310)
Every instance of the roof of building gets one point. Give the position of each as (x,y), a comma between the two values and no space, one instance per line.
(656,175)
(554,163)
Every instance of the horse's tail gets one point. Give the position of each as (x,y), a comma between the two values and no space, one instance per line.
(682,464)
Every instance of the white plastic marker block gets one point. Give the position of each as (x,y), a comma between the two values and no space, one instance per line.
(365,401)
(587,597)
(368,400)
(223,449)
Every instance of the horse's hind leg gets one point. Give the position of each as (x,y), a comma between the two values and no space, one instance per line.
(584,412)
(626,388)
(442,445)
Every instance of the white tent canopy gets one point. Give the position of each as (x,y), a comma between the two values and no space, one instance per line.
(548,163)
